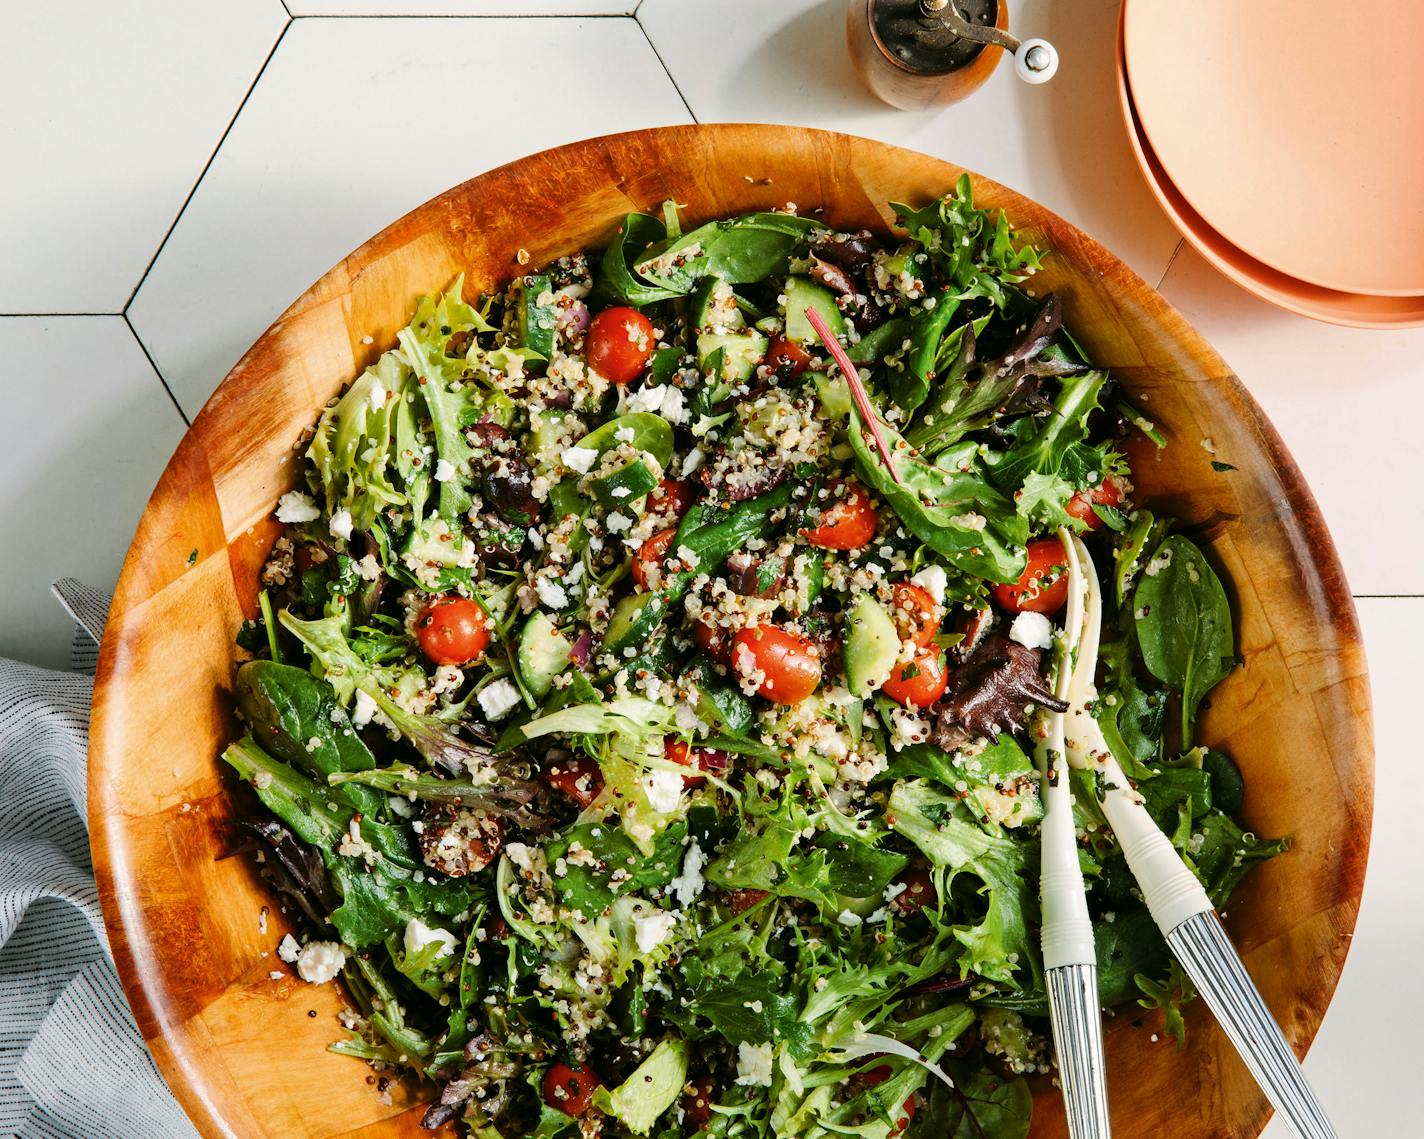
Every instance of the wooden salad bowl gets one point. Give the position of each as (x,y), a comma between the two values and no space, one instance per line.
(243,1051)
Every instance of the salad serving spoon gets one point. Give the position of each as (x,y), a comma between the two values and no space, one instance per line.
(1174,896)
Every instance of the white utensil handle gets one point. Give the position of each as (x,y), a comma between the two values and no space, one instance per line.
(1172,892)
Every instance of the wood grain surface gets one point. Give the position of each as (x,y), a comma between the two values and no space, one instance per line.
(241,1051)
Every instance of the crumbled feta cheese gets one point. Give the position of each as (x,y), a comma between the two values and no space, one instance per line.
(648,398)
(363,709)
(664,789)
(970,521)
(754,1065)
(320,961)
(688,885)
(580,459)
(1032,630)
(651,930)
(294,506)
(847,918)
(288,949)
(444,470)
(499,699)
(418,935)
(341,524)
(551,594)
(617,523)
(933,580)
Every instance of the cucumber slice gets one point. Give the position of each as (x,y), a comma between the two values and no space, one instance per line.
(533,321)
(714,305)
(543,653)
(803,293)
(834,394)
(632,621)
(624,486)
(871,646)
(742,351)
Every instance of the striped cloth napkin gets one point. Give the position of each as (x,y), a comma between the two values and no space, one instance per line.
(72,1063)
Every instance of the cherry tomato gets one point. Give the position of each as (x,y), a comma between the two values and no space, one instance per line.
(697,1103)
(708,759)
(1043,585)
(847,520)
(651,555)
(570,1089)
(672,496)
(907,1109)
(715,641)
(919,683)
(452,630)
(1080,506)
(618,344)
(918,893)
(578,777)
(915,612)
(787,358)
(740,901)
(789,664)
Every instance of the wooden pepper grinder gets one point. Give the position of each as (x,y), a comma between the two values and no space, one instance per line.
(924,53)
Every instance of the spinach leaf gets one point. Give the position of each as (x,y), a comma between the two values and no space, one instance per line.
(754,1008)
(953,511)
(857,869)
(591,889)
(1183,624)
(650,433)
(638,233)
(979,1105)
(739,250)
(298,718)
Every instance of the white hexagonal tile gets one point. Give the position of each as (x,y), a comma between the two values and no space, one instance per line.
(98,429)
(1061,143)
(1346,401)
(1365,1062)
(462,7)
(353,124)
(111,112)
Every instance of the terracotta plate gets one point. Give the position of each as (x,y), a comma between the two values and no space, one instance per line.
(1294,128)
(240,1050)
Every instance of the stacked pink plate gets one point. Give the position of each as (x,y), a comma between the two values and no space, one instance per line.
(1285,139)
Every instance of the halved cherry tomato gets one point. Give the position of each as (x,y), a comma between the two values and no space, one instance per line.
(1080,506)
(847,520)
(907,1109)
(919,683)
(578,777)
(789,664)
(715,640)
(786,357)
(740,901)
(708,759)
(618,344)
(651,554)
(570,1088)
(1043,585)
(915,612)
(697,1102)
(672,496)
(918,893)
(452,630)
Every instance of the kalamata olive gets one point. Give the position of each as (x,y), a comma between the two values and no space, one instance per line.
(752,576)
(852,252)
(506,483)
(832,276)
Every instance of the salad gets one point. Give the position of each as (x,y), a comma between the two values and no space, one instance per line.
(642,701)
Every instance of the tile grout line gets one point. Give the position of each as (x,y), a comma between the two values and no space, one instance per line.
(658,56)
(206,167)
(1172,260)
(38,315)
(464,16)
(1388,596)
(285,9)
(152,363)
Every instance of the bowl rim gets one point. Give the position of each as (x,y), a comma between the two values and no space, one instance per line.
(161,1023)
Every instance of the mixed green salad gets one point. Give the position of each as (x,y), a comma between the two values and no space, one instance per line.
(641,705)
